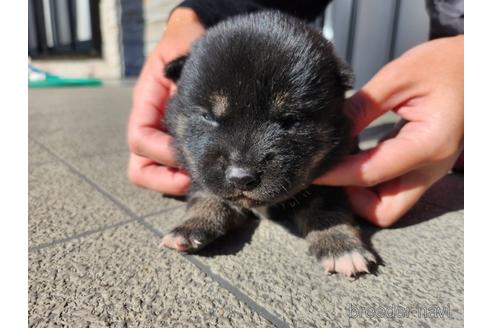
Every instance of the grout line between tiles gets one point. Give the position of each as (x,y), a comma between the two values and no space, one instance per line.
(101,229)
(41,163)
(80,235)
(169,209)
(89,181)
(272,318)
(241,296)
(263,312)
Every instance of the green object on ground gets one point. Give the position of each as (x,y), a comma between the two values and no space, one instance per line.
(56,81)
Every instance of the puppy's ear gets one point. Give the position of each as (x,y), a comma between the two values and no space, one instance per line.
(346,74)
(173,69)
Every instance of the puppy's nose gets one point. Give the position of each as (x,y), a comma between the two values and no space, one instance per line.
(241,178)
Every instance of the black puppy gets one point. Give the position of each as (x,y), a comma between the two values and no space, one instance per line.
(256,117)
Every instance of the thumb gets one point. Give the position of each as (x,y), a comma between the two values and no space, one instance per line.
(384,92)
(386,161)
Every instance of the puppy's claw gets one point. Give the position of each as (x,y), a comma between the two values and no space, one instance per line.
(349,264)
(359,262)
(196,242)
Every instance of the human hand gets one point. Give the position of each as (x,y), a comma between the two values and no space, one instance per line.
(152,162)
(425,87)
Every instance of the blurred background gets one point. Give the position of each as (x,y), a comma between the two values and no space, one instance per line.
(109,39)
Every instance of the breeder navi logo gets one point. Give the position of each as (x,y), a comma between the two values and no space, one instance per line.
(399,311)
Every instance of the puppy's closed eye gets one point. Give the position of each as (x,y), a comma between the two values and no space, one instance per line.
(268,157)
(289,122)
(203,115)
(208,118)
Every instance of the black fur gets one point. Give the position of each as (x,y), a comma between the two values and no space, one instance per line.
(264,92)
(173,69)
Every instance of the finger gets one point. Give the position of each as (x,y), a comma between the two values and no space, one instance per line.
(152,89)
(384,92)
(145,135)
(389,159)
(147,174)
(387,203)
(153,144)
(150,94)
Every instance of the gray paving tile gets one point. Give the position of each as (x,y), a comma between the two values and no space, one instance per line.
(37,155)
(71,109)
(63,100)
(110,173)
(87,128)
(74,124)
(44,123)
(62,205)
(119,278)
(423,267)
(84,142)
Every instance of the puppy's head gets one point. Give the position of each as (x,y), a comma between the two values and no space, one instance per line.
(258,111)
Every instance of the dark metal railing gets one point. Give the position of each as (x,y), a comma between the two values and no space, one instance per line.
(64,27)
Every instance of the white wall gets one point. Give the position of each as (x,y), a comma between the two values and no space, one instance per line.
(156,13)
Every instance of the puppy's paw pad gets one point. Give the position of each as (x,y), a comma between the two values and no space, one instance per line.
(349,264)
(175,241)
(181,240)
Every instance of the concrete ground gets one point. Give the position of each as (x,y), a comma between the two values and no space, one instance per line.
(94,260)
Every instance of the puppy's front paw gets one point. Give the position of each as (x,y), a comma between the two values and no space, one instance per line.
(349,264)
(177,242)
(191,236)
(341,251)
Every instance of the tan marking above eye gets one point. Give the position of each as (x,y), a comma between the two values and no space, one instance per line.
(220,104)
(279,101)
